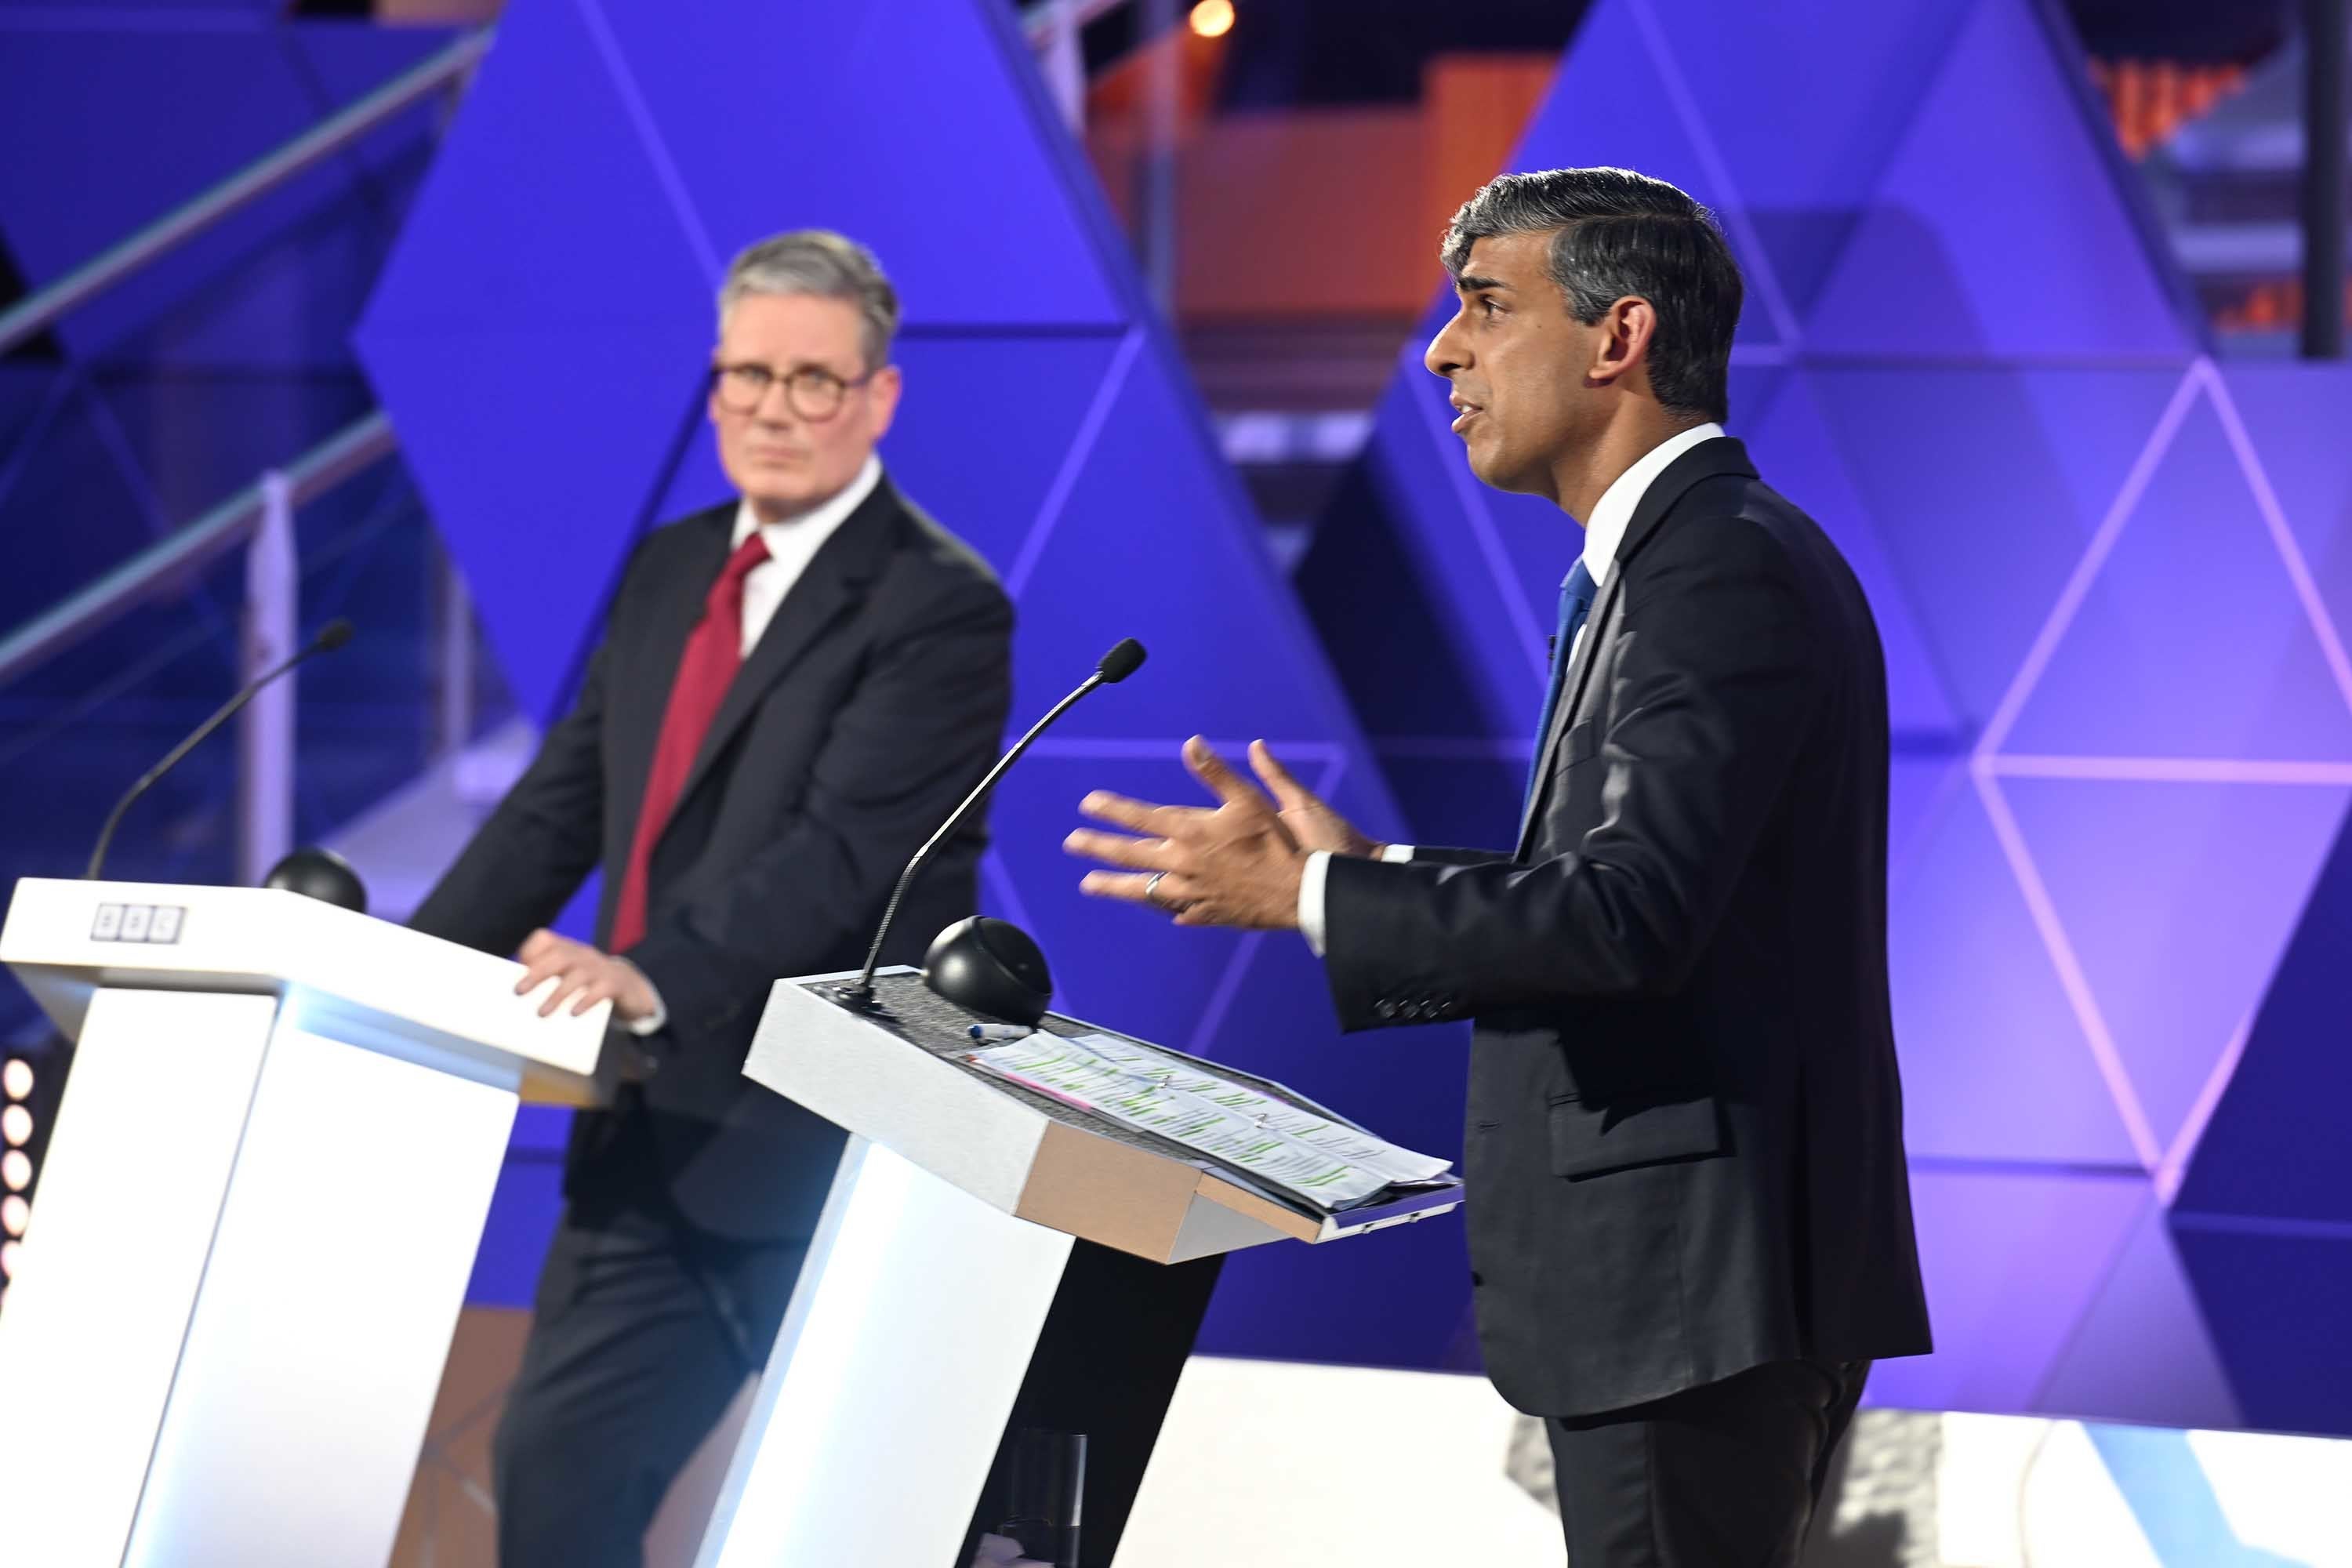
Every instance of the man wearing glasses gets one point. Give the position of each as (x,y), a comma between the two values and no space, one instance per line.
(793,690)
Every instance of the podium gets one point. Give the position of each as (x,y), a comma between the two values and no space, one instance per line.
(989,1256)
(254,1221)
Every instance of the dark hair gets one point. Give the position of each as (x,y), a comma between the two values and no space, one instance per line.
(1615,233)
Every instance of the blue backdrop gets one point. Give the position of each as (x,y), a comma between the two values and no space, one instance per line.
(2110,571)
(540,339)
(2109,575)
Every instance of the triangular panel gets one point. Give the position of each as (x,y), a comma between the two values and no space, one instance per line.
(2275,1147)
(1999,162)
(1995,1064)
(1621,98)
(931,156)
(2178,897)
(2294,416)
(2012,1260)
(2141,1351)
(1974,494)
(1793,446)
(2192,640)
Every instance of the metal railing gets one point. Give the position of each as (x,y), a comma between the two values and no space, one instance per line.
(314,146)
(171,563)
(260,518)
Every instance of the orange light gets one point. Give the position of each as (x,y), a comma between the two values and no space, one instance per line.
(14,1213)
(1213,18)
(16,1124)
(16,1170)
(16,1078)
(10,1252)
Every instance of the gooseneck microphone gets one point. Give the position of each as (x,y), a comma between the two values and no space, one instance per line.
(1116,666)
(331,636)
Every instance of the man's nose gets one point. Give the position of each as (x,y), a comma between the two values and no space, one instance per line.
(1445,355)
(776,405)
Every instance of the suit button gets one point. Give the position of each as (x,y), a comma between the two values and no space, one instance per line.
(1384,1008)
(1477,1279)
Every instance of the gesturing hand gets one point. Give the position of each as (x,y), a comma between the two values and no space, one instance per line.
(1310,820)
(582,972)
(1235,864)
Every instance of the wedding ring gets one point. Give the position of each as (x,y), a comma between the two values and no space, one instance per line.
(1151,887)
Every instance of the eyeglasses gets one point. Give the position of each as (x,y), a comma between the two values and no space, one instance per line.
(813,392)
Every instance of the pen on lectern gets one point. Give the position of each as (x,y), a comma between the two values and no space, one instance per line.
(1001,1032)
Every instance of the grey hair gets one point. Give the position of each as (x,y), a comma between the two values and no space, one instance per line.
(1615,233)
(828,265)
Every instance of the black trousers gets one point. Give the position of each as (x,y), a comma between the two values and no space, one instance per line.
(1722,1476)
(644,1329)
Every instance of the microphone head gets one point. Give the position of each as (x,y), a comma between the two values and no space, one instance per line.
(322,874)
(990,966)
(1122,661)
(333,635)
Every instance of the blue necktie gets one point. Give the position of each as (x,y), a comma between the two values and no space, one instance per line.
(1576,595)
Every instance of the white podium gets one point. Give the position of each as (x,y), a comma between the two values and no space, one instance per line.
(253,1224)
(989,1257)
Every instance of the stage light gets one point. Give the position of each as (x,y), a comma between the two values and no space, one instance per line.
(1213,18)
(16,1124)
(16,1078)
(15,1214)
(16,1170)
(10,1251)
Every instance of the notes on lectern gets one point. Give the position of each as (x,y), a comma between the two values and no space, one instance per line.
(1323,1162)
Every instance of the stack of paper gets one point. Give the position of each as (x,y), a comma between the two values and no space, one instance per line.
(1325,1162)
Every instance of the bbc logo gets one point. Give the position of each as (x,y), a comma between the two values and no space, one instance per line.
(138,922)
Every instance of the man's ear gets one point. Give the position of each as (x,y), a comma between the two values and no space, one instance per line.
(884,391)
(1626,328)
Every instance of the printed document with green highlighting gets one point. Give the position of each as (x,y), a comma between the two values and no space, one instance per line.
(1327,1163)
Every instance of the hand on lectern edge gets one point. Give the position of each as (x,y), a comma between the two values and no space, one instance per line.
(585,974)
(1236,864)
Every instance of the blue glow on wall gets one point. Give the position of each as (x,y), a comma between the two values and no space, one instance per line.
(2109,574)
(539,337)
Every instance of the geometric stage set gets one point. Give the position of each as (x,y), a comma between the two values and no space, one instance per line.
(2112,574)
(540,337)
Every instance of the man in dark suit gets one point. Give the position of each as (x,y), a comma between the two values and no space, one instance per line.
(1690,1226)
(793,690)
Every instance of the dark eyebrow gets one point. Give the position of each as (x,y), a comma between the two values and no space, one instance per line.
(1471,284)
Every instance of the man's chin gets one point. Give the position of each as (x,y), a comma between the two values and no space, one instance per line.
(777,495)
(1496,470)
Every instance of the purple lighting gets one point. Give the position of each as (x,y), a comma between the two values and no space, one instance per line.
(2102,568)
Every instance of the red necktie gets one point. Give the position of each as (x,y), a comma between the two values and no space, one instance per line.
(712,654)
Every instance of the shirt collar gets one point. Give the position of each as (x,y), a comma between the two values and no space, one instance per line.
(802,535)
(1613,513)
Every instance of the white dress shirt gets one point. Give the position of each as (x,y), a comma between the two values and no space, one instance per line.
(1604,530)
(792,545)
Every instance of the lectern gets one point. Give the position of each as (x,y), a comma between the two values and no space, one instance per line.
(993,1253)
(255,1218)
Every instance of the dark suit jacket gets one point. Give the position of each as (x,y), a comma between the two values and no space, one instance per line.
(872,703)
(1685,1150)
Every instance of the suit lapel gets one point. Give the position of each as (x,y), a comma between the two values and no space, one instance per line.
(830,587)
(1703,461)
(1571,696)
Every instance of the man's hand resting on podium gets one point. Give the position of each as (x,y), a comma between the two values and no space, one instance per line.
(1238,864)
(585,973)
